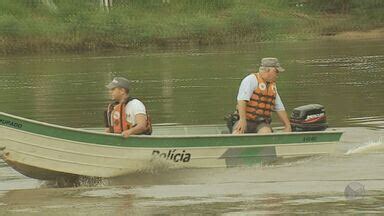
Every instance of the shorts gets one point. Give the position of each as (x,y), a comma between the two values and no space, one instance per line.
(254,126)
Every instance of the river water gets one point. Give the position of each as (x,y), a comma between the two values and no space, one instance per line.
(199,86)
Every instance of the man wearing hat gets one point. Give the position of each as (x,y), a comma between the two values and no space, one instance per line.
(258,97)
(125,115)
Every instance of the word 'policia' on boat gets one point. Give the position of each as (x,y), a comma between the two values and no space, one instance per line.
(46,151)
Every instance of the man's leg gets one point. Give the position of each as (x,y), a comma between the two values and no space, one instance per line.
(254,127)
(264,128)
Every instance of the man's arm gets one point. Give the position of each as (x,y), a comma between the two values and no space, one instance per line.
(282,114)
(241,125)
(248,84)
(106,121)
(284,119)
(141,125)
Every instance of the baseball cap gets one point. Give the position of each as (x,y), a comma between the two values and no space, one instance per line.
(118,82)
(272,62)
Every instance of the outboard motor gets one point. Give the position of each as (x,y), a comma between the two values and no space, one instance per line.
(309,117)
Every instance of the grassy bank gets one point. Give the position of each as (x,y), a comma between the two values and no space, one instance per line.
(72,25)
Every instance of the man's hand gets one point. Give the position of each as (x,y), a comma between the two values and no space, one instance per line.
(284,119)
(240,127)
(127,133)
(287,128)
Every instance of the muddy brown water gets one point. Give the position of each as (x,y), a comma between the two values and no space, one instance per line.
(199,86)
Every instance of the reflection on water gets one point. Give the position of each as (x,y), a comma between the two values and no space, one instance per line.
(73,202)
(309,185)
(372,121)
(199,87)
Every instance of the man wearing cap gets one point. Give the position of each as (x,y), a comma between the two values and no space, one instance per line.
(125,115)
(258,97)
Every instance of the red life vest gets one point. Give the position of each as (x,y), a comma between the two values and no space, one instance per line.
(117,118)
(262,100)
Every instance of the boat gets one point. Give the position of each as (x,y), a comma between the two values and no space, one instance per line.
(47,151)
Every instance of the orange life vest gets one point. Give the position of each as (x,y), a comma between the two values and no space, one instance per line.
(117,118)
(262,100)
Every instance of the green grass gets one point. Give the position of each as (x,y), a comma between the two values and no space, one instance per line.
(30,26)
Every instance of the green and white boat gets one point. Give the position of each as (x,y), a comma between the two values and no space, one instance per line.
(46,151)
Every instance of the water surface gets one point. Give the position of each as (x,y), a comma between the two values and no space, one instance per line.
(199,86)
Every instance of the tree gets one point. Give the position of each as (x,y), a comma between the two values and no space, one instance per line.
(106,4)
(50,4)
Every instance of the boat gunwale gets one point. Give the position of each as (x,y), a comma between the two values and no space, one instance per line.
(332,131)
(142,148)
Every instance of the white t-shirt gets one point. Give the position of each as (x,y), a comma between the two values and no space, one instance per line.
(133,108)
(248,85)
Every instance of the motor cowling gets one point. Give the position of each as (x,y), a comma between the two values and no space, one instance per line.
(309,117)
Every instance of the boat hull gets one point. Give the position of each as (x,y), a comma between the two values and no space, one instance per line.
(45,151)
(39,173)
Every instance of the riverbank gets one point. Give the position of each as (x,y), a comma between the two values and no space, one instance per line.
(356,35)
(77,26)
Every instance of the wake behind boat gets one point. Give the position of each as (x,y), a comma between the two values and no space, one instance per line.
(46,151)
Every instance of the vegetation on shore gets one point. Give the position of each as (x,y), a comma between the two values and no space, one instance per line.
(73,25)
